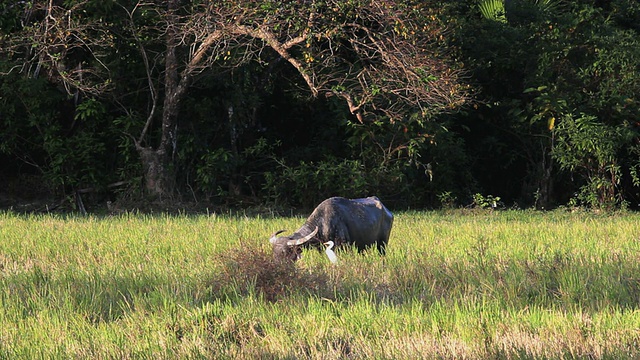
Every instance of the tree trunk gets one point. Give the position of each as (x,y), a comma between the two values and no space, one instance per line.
(157,175)
(545,184)
(157,163)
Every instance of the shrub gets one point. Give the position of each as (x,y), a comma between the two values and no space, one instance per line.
(248,270)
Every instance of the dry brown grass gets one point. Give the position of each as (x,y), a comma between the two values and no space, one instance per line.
(244,270)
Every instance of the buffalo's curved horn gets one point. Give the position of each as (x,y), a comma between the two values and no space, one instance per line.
(274,236)
(304,239)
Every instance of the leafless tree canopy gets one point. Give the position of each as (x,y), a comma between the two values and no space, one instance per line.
(382,57)
(64,44)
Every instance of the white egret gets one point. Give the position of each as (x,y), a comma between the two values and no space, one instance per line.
(330,254)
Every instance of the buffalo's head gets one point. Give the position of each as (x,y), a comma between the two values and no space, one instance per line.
(289,247)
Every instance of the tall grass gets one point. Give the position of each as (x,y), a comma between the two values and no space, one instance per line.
(514,284)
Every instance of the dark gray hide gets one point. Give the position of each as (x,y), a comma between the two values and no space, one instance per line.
(359,222)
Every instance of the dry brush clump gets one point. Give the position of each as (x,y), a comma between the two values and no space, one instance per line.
(246,270)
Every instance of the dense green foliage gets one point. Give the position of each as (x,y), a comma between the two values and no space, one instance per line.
(560,116)
(554,120)
(476,284)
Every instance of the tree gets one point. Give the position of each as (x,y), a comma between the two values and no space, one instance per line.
(590,148)
(539,66)
(50,65)
(384,59)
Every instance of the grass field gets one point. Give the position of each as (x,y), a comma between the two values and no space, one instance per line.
(475,285)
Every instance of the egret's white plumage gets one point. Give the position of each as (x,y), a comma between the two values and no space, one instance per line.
(330,254)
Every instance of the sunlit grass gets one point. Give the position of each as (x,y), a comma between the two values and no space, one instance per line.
(515,284)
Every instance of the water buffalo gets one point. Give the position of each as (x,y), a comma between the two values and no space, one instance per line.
(358,222)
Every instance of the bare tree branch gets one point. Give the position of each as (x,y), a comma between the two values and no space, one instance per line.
(59,43)
(377,56)
(153,92)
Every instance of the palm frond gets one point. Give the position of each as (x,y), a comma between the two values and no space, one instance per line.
(493,10)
